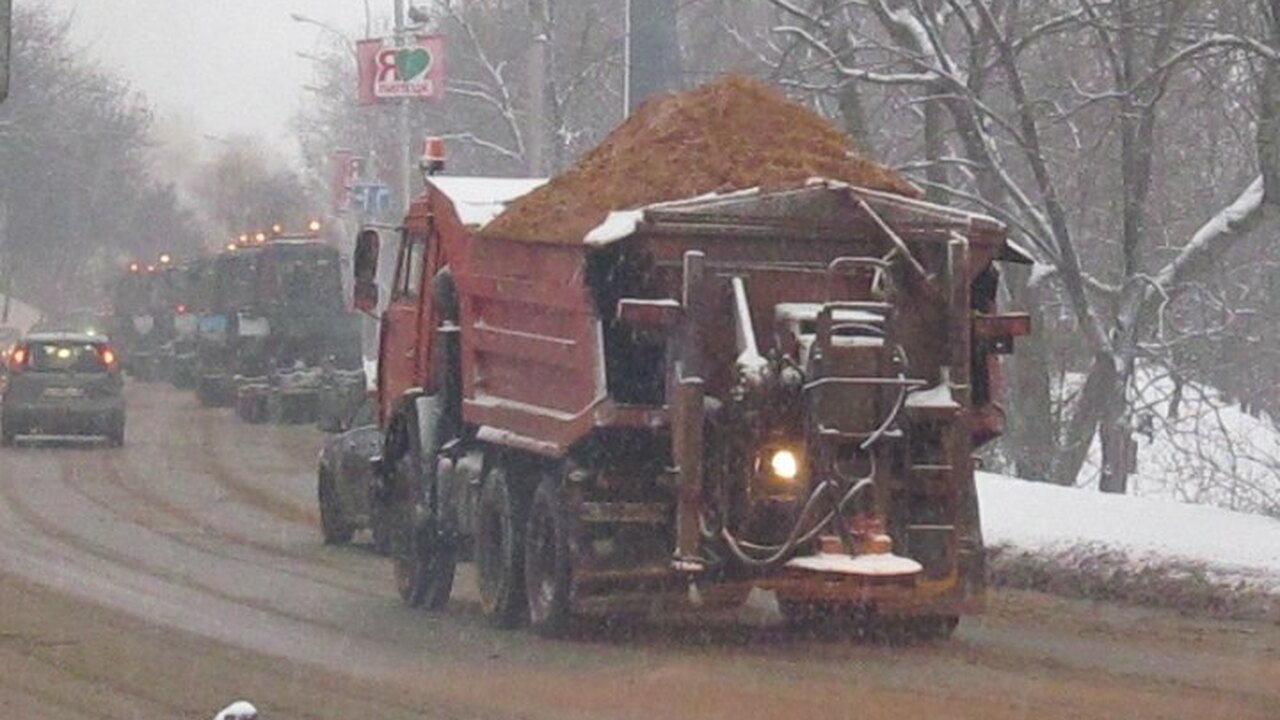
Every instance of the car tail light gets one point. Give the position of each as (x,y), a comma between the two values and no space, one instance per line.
(108,356)
(181,308)
(18,360)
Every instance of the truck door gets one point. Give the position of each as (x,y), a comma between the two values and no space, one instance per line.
(399,352)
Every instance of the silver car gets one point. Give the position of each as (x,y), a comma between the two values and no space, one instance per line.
(63,384)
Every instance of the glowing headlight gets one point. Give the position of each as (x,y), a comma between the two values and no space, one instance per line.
(784,464)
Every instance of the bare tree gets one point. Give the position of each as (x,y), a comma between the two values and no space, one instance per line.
(1007,127)
(76,190)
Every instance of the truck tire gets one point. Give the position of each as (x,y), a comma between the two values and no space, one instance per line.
(206,393)
(804,614)
(423,559)
(115,433)
(935,627)
(548,565)
(182,378)
(333,527)
(499,550)
(378,527)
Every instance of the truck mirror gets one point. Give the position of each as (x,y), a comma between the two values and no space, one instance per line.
(365,295)
(365,265)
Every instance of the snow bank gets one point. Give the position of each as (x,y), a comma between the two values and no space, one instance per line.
(21,315)
(1209,452)
(1037,517)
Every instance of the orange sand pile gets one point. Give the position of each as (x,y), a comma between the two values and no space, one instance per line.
(732,134)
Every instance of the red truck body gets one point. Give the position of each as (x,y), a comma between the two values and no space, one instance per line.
(856,329)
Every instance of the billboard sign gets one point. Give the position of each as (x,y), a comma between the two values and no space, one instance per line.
(390,70)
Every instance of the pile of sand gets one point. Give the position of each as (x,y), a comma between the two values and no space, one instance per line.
(732,134)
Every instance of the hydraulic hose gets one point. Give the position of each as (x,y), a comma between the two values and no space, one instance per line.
(742,549)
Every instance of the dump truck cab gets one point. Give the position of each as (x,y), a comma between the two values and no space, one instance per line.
(307,354)
(143,313)
(230,327)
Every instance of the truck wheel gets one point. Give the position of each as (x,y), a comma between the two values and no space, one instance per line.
(182,379)
(115,435)
(332,525)
(205,392)
(935,627)
(378,528)
(803,614)
(499,551)
(424,560)
(548,565)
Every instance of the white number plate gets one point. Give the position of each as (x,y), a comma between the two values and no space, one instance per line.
(63,392)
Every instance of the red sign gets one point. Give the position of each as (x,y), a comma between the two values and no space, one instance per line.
(411,69)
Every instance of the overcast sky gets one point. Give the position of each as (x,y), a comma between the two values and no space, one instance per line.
(225,66)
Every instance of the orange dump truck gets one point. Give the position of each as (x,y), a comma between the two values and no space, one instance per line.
(778,387)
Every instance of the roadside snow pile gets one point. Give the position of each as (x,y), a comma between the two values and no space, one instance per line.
(732,134)
(1081,542)
(21,315)
(1198,448)
(1036,516)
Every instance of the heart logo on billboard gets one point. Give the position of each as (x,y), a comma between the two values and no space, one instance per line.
(410,63)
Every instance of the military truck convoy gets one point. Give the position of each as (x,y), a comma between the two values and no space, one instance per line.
(673,374)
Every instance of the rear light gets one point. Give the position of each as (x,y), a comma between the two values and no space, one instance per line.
(18,360)
(108,356)
(181,308)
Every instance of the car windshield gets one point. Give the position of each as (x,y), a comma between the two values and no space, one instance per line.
(66,357)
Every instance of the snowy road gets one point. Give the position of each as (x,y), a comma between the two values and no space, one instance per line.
(187,568)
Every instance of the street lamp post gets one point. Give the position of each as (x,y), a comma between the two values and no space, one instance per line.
(626,60)
(403,161)
(305,20)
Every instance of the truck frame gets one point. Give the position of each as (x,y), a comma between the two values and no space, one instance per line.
(776,389)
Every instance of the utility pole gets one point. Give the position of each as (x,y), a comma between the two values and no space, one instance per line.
(6,19)
(536,77)
(652,48)
(404,162)
(6,258)
(626,60)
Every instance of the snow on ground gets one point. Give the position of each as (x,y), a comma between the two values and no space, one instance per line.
(21,315)
(1208,452)
(1038,517)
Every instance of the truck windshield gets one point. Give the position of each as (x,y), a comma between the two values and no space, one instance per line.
(133,295)
(235,283)
(306,283)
